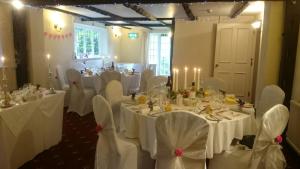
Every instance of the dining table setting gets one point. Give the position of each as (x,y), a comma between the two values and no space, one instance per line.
(30,122)
(228,117)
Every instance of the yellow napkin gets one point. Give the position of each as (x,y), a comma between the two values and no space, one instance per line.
(230,100)
(142,99)
(168,107)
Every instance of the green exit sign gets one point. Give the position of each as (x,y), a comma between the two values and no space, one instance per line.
(133,35)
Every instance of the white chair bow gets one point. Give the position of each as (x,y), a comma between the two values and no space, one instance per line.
(114,95)
(181,141)
(80,98)
(270,96)
(106,77)
(266,153)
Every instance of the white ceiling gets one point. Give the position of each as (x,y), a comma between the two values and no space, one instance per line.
(170,10)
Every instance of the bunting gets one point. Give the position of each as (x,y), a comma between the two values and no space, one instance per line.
(53,36)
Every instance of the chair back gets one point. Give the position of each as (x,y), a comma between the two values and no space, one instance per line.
(266,152)
(145,76)
(113,91)
(79,66)
(181,141)
(214,83)
(106,77)
(270,96)
(74,79)
(156,82)
(107,146)
(61,77)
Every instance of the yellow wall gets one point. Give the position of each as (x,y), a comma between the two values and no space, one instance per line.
(296,88)
(6,43)
(274,42)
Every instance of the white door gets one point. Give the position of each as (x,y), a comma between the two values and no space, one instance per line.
(234,57)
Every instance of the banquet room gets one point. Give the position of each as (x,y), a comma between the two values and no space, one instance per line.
(149,84)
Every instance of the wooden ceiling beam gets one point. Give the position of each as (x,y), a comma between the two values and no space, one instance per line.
(130,19)
(113,16)
(80,16)
(239,8)
(97,2)
(142,12)
(188,11)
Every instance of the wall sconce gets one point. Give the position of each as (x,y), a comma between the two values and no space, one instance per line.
(58,23)
(256,24)
(116,31)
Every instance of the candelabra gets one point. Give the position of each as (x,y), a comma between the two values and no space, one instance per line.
(6,99)
(50,82)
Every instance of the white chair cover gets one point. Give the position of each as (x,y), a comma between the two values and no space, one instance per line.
(111,152)
(77,65)
(106,77)
(181,141)
(80,98)
(114,95)
(156,82)
(145,76)
(138,67)
(266,153)
(270,96)
(214,83)
(63,83)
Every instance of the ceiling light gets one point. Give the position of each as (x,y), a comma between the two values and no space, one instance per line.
(256,24)
(17,4)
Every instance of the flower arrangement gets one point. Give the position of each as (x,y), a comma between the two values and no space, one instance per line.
(185,93)
(278,139)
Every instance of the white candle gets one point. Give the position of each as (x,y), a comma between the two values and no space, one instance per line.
(185,77)
(3,68)
(48,58)
(174,79)
(198,83)
(177,72)
(195,72)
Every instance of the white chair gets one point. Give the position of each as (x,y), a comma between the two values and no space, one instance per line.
(80,98)
(266,153)
(138,67)
(145,76)
(156,82)
(63,84)
(114,151)
(270,96)
(181,141)
(106,77)
(79,66)
(114,95)
(214,83)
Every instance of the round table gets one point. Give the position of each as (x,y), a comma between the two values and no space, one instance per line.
(136,122)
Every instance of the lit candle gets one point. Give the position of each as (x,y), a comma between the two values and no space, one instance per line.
(3,68)
(185,77)
(48,58)
(177,72)
(174,79)
(195,72)
(198,83)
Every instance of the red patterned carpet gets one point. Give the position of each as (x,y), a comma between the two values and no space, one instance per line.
(78,145)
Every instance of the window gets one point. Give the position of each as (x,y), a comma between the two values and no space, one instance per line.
(159,52)
(90,41)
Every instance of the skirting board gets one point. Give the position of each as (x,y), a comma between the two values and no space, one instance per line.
(293,145)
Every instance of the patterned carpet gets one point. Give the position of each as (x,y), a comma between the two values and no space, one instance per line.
(78,145)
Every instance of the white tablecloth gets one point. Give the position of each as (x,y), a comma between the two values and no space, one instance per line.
(220,136)
(129,82)
(30,128)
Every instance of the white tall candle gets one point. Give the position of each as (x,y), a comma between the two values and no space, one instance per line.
(185,77)
(174,79)
(48,58)
(3,68)
(195,72)
(198,81)
(177,72)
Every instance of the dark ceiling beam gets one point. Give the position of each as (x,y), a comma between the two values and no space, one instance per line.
(149,25)
(188,11)
(113,16)
(78,15)
(95,2)
(130,19)
(239,8)
(142,12)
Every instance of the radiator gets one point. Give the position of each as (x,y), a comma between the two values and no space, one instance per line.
(293,132)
